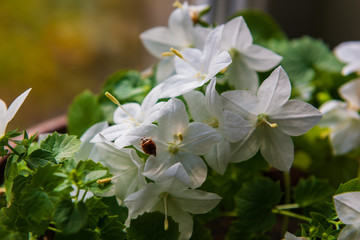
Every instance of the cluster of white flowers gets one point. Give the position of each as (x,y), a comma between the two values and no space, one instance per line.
(230,127)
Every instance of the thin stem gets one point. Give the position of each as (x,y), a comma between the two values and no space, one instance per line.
(288,206)
(290,214)
(12,149)
(83,196)
(54,229)
(287,184)
(229,214)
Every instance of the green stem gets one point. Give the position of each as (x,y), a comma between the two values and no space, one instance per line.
(287,185)
(83,197)
(290,214)
(288,206)
(12,149)
(229,214)
(54,229)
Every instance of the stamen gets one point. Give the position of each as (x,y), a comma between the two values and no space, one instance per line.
(105,180)
(114,100)
(223,70)
(167,54)
(177,53)
(262,119)
(177,4)
(180,137)
(272,125)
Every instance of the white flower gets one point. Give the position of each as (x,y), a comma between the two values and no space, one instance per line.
(176,141)
(232,127)
(247,57)
(274,118)
(7,114)
(194,67)
(124,164)
(347,206)
(349,53)
(289,236)
(180,34)
(174,199)
(131,115)
(343,119)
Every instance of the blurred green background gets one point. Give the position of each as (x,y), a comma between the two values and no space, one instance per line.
(60,48)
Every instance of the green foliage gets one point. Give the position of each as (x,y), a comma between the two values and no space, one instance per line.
(350,186)
(70,217)
(311,191)
(84,112)
(62,146)
(150,226)
(254,204)
(40,157)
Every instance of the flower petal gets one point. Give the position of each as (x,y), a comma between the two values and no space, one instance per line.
(15,105)
(236,34)
(351,93)
(241,76)
(165,68)
(233,126)
(347,206)
(350,232)
(243,102)
(277,148)
(177,85)
(295,117)
(346,136)
(213,101)
(246,148)
(274,91)
(196,103)
(218,157)
(260,59)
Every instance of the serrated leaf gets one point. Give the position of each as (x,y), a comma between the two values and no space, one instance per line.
(36,204)
(311,191)
(111,228)
(254,204)
(40,157)
(115,208)
(46,179)
(61,146)
(70,217)
(96,210)
(350,186)
(150,226)
(84,112)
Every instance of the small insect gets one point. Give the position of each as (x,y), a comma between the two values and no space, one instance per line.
(148,146)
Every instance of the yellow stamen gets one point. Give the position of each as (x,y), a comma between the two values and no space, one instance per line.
(114,100)
(180,136)
(223,70)
(166,222)
(105,180)
(167,54)
(177,53)
(177,4)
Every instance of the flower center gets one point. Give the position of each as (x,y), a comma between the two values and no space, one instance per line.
(262,118)
(174,146)
(213,122)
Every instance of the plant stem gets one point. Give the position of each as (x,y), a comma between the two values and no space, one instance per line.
(287,185)
(290,214)
(229,214)
(83,197)
(12,149)
(288,206)
(54,229)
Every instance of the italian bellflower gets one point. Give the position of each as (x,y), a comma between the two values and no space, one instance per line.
(274,119)
(349,53)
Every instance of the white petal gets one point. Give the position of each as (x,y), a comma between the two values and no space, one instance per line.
(277,148)
(134,136)
(350,68)
(184,219)
(234,127)
(260,59)
(213,100)
(194,166)
(241,76)
(175,171)
(334,112)
(236,34)
(3,121)
(111,133)
(346,136)
(153,114)
(217,63)
(196,103)
(246,148)
(165,68)
(192,63)
(351,93)
(350,232)
(295,117)
(178,84)
(15,105)
(274,91)
(241,101)
(181,26)
(348,51)
(199,138)
(347,206)
(133,110)
(174,118)
(212,45)
(218,157)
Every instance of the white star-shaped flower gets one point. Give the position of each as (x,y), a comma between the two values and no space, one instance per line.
(194,67)
(7,114)
(349,53)
(180,34)
(174,199)
(274,118)
(347,206)
(343,118)
(232,127)
(247,57)
(177,141)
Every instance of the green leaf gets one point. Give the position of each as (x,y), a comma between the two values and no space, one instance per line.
(262,26)
(40,157)
(111,228)
(254,204)
(200,232)
(311,191)
(70,217)
(46,179)
(150,226)
(11,171)
(19,184)
(96,210)
(36,204)
(115,208)
(61,146)
(350,186)
(83,234)
(84,112)
(7,234)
